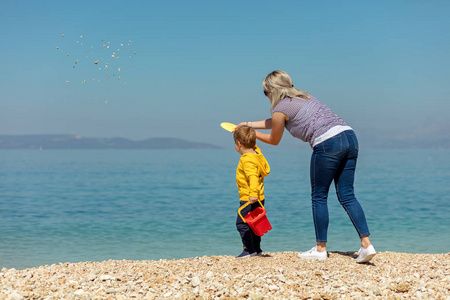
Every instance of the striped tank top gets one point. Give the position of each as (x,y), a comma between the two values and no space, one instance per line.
(310,120)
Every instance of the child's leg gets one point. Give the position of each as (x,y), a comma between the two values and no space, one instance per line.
(244,229)
(256,242)
(256,238)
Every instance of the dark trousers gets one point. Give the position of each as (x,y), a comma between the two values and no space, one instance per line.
(251,241)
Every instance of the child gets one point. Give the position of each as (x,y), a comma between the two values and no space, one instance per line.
(250,173)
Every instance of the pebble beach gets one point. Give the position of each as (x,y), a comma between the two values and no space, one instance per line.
(279,275)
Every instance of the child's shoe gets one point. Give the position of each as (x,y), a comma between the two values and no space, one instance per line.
(245,253)
(259,252)
(366,255)
(313,254)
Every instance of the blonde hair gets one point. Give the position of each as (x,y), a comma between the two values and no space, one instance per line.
(246,135)
(279,85)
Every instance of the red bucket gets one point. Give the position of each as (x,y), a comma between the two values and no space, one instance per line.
(257,219)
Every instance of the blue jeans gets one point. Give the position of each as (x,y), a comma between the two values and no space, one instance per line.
(335,159)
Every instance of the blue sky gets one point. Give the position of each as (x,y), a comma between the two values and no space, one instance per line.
(381,65)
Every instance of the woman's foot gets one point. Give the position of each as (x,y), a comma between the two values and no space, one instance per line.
(314,254)
(366,254)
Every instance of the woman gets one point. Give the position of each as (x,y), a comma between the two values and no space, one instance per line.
(335,151)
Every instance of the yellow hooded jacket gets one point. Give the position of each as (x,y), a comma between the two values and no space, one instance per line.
(250,173)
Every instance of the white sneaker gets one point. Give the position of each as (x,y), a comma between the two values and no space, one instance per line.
(366,255)
(313,254)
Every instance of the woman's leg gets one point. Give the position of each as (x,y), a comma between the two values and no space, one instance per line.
(344,188)
(365,241)
(325,161)
(344,180)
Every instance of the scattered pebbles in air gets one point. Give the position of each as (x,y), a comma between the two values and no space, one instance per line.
(95,56)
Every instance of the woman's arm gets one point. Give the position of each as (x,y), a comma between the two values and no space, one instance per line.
(277,125)
(264,124)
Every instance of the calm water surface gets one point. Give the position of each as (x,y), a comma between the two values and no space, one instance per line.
(88,205)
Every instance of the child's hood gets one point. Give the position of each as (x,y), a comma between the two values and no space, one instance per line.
(262,162)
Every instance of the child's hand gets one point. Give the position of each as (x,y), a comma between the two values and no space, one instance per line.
(253,199)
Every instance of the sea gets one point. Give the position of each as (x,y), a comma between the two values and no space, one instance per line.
(59,206)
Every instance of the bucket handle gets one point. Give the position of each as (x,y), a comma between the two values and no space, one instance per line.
(245,205)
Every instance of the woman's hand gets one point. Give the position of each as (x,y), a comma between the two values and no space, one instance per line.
(264,124)
(241,124)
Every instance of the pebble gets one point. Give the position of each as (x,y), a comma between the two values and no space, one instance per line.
(279,275)
(195,281)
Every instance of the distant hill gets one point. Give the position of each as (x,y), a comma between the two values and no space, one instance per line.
(66,141)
